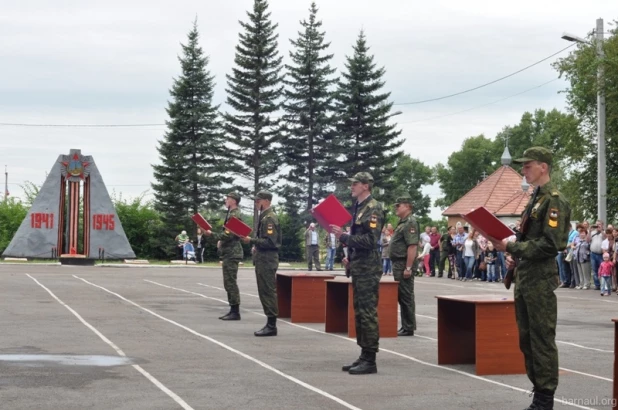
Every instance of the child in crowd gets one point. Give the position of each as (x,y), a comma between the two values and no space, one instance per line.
(605,274)
(425,255)
(491,255)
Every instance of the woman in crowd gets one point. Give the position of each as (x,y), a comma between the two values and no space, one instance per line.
(387,234)
(471,251)
(425,255)
(582,255)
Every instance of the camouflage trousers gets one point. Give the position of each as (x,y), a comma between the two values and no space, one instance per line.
(366,291)
(266,264)
(230,282)
(536,311)
(405,295)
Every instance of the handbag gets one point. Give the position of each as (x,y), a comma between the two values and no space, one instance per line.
(569,256)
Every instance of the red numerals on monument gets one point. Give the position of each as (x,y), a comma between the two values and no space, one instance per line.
(39,220)
(103,222)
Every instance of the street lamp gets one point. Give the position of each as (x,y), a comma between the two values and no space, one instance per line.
(601,159)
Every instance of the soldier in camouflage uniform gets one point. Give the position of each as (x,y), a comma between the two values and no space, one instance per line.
(404,248)
(267,242)
(365,266)
(231,253)
(543,236)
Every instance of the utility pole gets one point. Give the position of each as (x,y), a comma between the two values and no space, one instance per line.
(601,160)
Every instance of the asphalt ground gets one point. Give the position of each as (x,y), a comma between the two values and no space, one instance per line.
(150,338)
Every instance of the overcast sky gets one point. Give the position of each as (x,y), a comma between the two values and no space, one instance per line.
(112,62)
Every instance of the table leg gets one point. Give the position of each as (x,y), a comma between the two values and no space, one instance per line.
(456,332)
(336,317)
(284,296)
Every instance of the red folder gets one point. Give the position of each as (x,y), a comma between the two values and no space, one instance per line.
(331,212)
(237,227)
(201,222)
(487,224)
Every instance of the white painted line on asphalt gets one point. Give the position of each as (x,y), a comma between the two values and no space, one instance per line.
(584,347)
(223,345)
(587,374)
(437,366)
(147,375)
(218,288)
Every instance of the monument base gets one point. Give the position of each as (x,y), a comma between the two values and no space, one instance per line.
(79,260)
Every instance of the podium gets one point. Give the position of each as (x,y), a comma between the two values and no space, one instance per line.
(302,296)
(340,307)
(481,330)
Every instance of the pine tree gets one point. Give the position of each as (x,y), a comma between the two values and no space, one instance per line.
(308,107)
(254,90)
(366,140)
(193,170)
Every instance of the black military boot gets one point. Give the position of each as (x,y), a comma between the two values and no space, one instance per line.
(356,362)
(542,401)
(270,329)
(404,332)
(367,365)
(233,314)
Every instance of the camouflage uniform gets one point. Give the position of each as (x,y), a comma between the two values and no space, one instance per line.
(267,243)
(406,234)
(231,253)
(537,278)
(365,265)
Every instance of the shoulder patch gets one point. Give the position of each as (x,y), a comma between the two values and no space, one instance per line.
(555,193)
(553,217)
(412,229)
(373,221)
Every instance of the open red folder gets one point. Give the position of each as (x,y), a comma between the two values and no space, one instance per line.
(201,222)
(487,224)
(237,227)
(331,212)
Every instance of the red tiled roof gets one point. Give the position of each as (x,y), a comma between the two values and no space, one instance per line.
(500,193)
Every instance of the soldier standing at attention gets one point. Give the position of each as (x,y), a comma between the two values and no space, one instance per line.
(364,264)
(267,242)
(404,247)
(543,235)
(231,253)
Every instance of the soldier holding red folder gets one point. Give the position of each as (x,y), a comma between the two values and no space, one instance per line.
(231,252)
(365,266)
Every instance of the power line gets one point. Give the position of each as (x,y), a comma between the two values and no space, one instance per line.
(480,106)
(486,84)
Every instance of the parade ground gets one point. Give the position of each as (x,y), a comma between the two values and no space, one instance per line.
(149,338)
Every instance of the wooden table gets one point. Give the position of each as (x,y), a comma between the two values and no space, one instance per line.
(479,329)
(615,402)
(302,296)
(340,307)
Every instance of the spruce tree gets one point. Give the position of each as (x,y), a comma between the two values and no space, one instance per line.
(366,140)
(194,170)
(308,108)
(254,92)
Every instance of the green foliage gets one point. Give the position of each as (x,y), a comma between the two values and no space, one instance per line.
(309,122)
(366,140)
(580,69)
(194,168)
(12,213)
(254,90)
(291,229)
(144,228)
(409,178)
(465,168)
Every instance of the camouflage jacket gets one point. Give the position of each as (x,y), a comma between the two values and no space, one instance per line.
(268,235)
(364,237)
(406,234)
(231,247)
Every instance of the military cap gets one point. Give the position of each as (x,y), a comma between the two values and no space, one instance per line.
(540,154)
(404,199)
(362,177)
(234,195)
(264,195)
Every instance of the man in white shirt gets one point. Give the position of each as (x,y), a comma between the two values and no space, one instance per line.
(313,247)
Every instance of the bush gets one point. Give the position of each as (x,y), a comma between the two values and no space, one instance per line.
(12,213)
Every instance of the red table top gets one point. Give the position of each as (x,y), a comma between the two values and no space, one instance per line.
(477,298)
